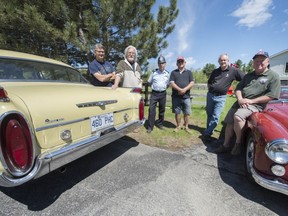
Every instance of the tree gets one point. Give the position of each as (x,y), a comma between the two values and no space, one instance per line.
(67,29)
(249,67)
(239,64)
(208,68)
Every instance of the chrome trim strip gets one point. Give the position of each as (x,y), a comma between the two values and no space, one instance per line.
(96,103)
(273,185)
(123,110)
(49,161)
(71,122)
(60,124)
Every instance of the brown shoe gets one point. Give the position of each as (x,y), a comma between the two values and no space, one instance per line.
(237,149)
(222,149)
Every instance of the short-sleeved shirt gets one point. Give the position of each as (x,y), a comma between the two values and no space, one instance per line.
(220,81)
(253,86)
(182,80)
(159,80)
(100,67)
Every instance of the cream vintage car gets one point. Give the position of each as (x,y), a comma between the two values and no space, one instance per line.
(50,115)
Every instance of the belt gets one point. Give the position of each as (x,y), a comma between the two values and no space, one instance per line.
(158,91)
(217,93)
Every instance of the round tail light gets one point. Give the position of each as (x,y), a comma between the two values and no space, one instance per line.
(141,109)
(16,145)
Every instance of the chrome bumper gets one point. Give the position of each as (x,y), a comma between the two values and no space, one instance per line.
(273,185)
(52,160)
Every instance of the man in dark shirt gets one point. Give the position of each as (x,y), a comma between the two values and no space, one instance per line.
(181,81)
(218,84)
(102,72)
(253,93)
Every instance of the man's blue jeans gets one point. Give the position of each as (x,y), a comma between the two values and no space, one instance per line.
(214,107)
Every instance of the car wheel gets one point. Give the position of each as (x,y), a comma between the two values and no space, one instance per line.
(249,156)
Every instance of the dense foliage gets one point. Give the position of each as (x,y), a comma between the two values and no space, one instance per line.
(68,29)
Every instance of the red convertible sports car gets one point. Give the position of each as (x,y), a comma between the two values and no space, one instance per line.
(267,146)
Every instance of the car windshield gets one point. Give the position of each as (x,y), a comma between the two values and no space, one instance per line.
(14,69)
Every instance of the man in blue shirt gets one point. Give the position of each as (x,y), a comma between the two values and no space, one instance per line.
(102,72)
(159,81)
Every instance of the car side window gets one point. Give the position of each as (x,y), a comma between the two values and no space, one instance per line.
(11,69)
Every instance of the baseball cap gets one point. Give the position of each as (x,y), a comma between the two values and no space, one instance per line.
(180,58)
(261,53)
(161,59)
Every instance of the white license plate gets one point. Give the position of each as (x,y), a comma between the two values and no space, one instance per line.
(101,121)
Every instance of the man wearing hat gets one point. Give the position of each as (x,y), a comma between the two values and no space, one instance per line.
(159,81)
(181,81)
(253,93)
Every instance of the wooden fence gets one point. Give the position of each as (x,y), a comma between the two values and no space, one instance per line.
(147,92)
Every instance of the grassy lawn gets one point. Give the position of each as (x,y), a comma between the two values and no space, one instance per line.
(171,140)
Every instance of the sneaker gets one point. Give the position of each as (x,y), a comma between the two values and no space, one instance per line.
(149,130)
(237,149)
(222,149)
(207,137)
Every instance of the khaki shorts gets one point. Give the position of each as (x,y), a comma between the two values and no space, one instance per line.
(242,113)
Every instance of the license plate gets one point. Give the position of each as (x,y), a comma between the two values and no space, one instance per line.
(101,121)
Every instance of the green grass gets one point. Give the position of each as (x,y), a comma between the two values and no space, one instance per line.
(169,139)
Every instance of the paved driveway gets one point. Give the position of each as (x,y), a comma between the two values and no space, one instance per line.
(127,178)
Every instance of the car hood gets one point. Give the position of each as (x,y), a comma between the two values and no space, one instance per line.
(278,111)
(50,103)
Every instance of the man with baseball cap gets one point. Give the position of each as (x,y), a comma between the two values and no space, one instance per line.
(253,93)
(181,81)
(159,81)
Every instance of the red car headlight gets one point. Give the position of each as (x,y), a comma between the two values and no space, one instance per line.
(277,151)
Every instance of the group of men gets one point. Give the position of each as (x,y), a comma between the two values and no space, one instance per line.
(128,73)
(253,91)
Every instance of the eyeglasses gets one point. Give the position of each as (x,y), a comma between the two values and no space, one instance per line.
(100,51)
(162,62)
(180,61)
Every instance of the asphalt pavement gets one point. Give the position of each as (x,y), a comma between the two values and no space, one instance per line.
(129,178)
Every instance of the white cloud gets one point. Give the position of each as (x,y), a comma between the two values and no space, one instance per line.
(253,13)
(182,36)
(184,25)
(190,61)
(169,55)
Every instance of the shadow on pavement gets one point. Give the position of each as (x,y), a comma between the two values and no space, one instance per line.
(42,192)
(232,172)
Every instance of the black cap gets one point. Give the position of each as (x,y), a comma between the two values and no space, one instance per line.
(161,59)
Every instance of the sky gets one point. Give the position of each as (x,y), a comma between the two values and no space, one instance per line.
(204,29)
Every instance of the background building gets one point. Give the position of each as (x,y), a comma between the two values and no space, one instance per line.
(279,63)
